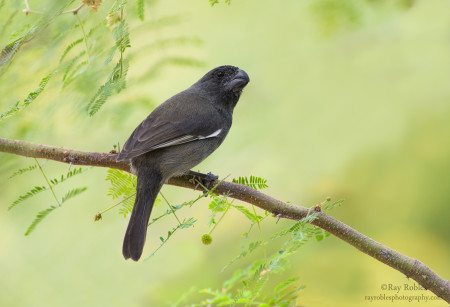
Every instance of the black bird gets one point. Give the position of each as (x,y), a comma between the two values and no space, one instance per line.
(176,136)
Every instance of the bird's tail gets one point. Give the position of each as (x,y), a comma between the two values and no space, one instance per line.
(148,186)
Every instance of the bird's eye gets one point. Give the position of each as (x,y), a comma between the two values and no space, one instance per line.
(220,74)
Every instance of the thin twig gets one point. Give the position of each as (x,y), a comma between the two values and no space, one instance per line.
(84,36)
(171,208)
(260,232)
(226,210)
(123,200)
(74,11)
(48,182)
(27,10)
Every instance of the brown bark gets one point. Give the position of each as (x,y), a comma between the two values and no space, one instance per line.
(412,268)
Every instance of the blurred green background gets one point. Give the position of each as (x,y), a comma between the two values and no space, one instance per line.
(349,100)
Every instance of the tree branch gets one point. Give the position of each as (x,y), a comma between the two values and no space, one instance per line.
(412,268)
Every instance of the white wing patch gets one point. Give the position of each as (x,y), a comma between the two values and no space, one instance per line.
(185,139)
(215,133)
(177,141)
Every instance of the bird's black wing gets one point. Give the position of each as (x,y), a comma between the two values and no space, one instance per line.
(172,123)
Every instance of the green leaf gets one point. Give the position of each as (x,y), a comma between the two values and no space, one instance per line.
(68,67)
(169,212)
(31,97)
(121,36)
(122,183)
(111,54)
(218,204)
(29,194)
(70,47)
(333,205)
(10,50)
(116,83)
(43,214)
(23,170)
(252,217)
(187,223)
(257,183)
(11,110)
(117,6)
(75,72)
(69,175)
(127,205)
(251,247)
(34,94)
(283,285)
(295,227)
(140,9)
(72,193)
(320,234)
(39,217)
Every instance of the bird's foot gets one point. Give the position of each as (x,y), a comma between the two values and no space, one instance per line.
(204,180)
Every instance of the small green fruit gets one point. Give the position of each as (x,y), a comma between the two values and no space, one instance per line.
(206,239)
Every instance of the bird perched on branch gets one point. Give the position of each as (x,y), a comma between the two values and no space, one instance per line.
(175,137)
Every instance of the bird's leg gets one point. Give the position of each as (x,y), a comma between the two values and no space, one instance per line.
(205,180)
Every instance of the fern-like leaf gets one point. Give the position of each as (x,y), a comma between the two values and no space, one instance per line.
(283,285)
(252,217)
(187,223)
(122,183)
(43,214)
(39,217)
(31,97)
(117,6)
(11,49)
(70,47)
(76,71)
(33,192)
(116,83)
(218,204)
(282,295)
(69,175)
(169,212)
(64,34)
(320,234)
(70,64)
(34,94)
(111,54)
(23,170)
(251,247)
(72,193)
(122,36)
(140,9)
(333,205)
(295,227)
(257,183)
(127,206)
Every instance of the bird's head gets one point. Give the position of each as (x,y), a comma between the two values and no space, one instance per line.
(224,83)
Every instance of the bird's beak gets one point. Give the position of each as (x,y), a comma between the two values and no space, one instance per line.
(239,81)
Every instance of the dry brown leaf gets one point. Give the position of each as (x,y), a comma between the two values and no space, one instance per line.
(93,4)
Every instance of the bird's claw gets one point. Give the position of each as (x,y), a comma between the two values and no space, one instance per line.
(204,180)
